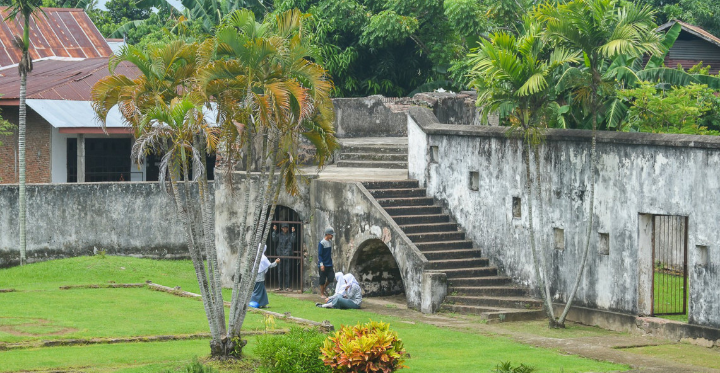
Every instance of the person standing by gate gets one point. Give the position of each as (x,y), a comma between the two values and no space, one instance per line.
(325,263)
(283,247)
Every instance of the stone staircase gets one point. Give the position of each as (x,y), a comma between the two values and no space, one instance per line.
(389,152)
(474,286)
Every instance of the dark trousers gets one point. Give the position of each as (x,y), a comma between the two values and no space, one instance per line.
(284,273)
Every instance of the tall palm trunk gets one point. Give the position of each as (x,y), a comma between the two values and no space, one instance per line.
(22,202)
(543,263)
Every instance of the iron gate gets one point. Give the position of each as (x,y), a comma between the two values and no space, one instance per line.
(670,237)
(275,278)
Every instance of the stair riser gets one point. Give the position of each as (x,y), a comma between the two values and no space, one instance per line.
(459,264)
(422,219)
(465,309)
(397,202)
(437,237)
(373,157)
(420,228)
(398,193)
(452,255)
(407,210)
(471,272)
(480,292)
(400,184)
(372,164)
(492,316)
(494,302)
(437,246)
(480,281)
(375,149)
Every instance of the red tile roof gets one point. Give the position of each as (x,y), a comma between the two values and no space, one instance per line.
(63,33)
(695,30)
(56,79)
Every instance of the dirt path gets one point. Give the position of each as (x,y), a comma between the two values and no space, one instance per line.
(606,347)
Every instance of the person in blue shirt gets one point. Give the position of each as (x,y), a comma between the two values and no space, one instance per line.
(325,264)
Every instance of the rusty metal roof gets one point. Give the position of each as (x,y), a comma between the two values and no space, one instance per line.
(694,30)
(59,79)
(64,32)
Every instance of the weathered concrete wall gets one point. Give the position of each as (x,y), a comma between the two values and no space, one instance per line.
(638,175)
(230,213)
(359,221)
(65,220)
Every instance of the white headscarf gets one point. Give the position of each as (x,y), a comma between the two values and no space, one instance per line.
(264,262)
(340,284)
(350,280)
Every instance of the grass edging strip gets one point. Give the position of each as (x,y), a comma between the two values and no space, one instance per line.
(103,286)
(325,326)
(145,339)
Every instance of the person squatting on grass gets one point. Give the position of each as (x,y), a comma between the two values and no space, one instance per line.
(350,297)
(259,297)
(325,263)
(283,247)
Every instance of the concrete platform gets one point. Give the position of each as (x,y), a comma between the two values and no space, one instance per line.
(354,141)
(334,172)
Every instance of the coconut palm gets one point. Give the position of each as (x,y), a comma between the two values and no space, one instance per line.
(514,79)
(602,30)
(24,9)
(265,93)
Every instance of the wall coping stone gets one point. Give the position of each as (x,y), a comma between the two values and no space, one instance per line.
(430,125)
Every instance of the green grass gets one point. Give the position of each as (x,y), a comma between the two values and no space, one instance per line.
(39,309)
(683,353)
(668,296)
(572,330)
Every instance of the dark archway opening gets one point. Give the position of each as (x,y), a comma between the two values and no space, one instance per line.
(288,247)
(376,270)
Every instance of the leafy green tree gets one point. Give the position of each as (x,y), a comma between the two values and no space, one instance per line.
(266,94)
(126,10)
(514,79)
(23,9)
(686,110)
(601,30)
(703,13)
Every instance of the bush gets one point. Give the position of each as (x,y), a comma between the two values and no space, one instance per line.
(194,367)
(506,367)
(297,351)
(371,347)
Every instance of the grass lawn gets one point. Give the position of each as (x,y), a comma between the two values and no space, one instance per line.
(683,353)
(39,310)
(668,296)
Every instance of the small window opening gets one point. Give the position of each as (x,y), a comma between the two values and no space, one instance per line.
(604,244)
(559,235)
(702,256)
(434,154)
(516,209)
(474,180)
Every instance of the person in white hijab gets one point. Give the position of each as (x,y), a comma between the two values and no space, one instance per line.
(349,298)
(340,283)
(259,295)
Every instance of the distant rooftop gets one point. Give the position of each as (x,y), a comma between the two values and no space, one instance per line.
(64,32)
(692,29)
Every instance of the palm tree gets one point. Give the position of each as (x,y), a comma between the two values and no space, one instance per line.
(602,30)
(514,80)
(24,9)
(266,93)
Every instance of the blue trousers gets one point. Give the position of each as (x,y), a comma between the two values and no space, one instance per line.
(344,304)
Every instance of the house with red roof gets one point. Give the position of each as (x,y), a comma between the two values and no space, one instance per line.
(693,45)
(65,141)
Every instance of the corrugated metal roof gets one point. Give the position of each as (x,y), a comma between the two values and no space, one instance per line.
(695,30)
(71,114)
(64,32)
(60,79)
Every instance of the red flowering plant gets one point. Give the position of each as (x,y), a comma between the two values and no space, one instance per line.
(370,347)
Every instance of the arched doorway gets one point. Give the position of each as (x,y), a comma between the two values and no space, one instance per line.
(285,244)
(376,269)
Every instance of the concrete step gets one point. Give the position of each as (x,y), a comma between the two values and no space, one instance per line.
(412,210)
(436,236)
(479,281)
(433,227)
(495,315)
(444,264)
(376,148)
(522,303)
(452,254)
(489,291)
(470,272)
(373,164)
(412,201)
(421,219)
(398,193)
(373,157)
(444,245)
(395,184)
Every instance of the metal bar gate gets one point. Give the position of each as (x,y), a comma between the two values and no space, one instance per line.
(670,280)
(288,275)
